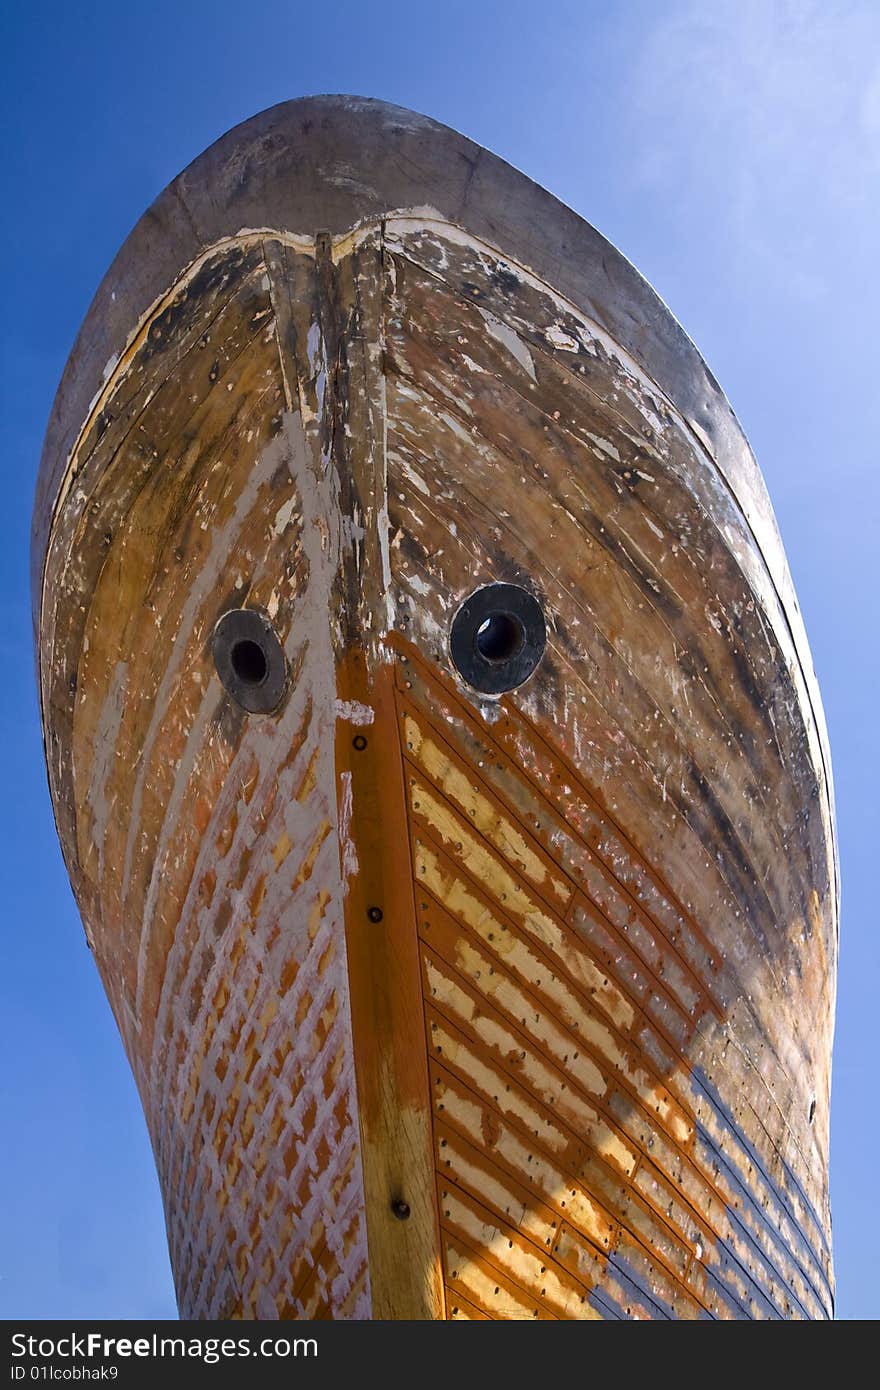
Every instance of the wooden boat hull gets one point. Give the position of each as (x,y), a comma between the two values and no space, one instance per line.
(442,1001)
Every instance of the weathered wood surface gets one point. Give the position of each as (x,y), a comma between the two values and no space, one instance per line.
(348,369)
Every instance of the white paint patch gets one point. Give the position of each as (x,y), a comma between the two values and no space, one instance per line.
(314,346)
(354,712)
(414,477)
(283,515)
(473,366)
(558,338)
(504,334)
(347,851)
(456,427)
(110,367)
(383,527)
(352,531)
(605,445)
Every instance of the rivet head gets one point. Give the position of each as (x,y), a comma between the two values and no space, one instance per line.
(359,742)
(375,914)
(400,1209)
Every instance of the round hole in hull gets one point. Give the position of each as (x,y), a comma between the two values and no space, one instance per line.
(498,637)
(250,660)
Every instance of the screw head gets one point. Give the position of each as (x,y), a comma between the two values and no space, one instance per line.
(400,1209)
(375,914)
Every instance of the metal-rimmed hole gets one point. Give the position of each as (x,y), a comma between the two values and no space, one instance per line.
(498,637)
(250,660)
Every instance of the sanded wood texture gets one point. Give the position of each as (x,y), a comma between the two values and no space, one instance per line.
(439,1004)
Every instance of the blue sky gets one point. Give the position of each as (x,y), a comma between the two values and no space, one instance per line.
(731,149)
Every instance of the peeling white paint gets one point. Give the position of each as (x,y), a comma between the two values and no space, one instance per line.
(415,478)
(283,515)
(473,366)
(354,712)
(347,850)
(505,335)
(109,367)
(558,338)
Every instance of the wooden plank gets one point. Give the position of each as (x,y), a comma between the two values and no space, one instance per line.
(393,1091)
(515,1262)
